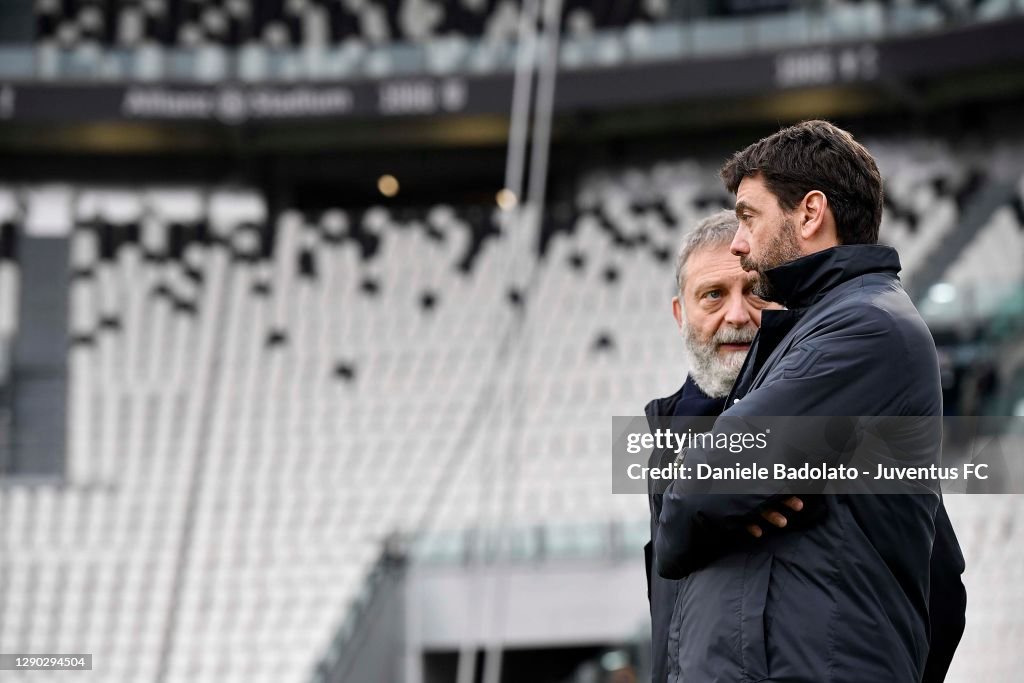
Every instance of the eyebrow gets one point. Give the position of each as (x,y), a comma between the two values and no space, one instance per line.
(708,285)
(742,206)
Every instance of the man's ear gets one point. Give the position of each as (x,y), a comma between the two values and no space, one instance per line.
(677,312)
(813,212)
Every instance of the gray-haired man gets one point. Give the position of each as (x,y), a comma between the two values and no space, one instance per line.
(718,316)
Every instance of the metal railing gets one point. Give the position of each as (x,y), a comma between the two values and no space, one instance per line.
(611,541)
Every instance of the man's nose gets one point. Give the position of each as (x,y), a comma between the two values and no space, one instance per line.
(737,312)
(739,246)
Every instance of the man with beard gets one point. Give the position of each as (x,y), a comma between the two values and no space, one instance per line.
(716,308)
(862,588)
(718,314)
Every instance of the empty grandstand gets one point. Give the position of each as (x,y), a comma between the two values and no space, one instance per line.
(265,416)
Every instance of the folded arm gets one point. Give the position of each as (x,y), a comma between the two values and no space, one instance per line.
(827,378)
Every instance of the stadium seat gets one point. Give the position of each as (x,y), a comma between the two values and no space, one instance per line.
(247,387)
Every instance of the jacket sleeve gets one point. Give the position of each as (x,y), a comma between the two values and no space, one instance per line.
(694,413)
(947,601)
(829,377)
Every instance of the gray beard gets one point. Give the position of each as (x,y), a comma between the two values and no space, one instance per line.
(713,373)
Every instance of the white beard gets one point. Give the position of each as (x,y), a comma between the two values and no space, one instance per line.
(711,371)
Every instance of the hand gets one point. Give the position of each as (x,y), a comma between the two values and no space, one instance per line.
(776,518)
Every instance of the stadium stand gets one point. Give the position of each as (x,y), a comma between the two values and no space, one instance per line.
(285,41)
(270,400)
(280,23)
(283,23)
(248,391)
(210,400)
(926,188)
(316,23)
(311,40)
(921,207)
(992,264)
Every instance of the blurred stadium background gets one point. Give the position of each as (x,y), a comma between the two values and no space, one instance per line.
(314,313)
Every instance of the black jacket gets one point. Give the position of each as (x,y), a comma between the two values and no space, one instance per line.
(844,595)
(688,402)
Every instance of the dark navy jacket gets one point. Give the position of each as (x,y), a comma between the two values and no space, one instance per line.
(688,402)
(845,595)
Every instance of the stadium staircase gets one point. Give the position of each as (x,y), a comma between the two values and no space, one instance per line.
(977,207)
(368,643)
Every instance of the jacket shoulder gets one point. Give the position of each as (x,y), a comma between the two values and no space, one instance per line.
(872,308)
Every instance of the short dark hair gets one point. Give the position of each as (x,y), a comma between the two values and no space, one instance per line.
(816,155)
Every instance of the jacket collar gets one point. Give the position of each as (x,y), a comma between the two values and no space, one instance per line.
(689,400)
(803,282)
(663,407)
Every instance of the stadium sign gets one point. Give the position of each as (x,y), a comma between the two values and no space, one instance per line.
(235,105)
(826,66)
